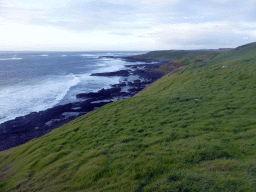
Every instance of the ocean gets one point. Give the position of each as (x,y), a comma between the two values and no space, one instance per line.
(36,81)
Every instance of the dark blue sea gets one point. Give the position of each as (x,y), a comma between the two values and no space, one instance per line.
(36,81)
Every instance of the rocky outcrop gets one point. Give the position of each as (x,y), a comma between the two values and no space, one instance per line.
(123,73)
(101,94)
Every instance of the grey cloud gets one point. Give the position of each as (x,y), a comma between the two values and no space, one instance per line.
(196,11)
(123,18)
(99,15)
(216,34)
(76,16)
(21,14)
(88,16)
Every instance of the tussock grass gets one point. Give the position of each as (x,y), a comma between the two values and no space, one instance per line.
(193,130)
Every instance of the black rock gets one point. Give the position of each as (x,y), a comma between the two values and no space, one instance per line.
(123,73)
(102,94)
(123,84)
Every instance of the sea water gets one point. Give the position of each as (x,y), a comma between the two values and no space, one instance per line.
(36,81)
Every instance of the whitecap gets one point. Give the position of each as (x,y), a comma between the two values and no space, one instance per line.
(44,55)
(13,58)
(89,56)
(110,66)
(23,99)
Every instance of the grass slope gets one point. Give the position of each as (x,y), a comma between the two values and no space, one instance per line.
(178,54)
(173,65)
(194,130)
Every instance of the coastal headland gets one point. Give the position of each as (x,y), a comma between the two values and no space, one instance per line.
(23,129)
(193,129)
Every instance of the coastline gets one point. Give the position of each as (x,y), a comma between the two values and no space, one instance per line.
(36,124)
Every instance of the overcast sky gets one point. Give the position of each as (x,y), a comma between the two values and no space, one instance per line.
(84,25)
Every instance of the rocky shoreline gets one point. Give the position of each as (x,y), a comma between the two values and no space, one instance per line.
(23,129)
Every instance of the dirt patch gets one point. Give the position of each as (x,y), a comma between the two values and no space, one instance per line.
(3,172)
(199,60)
(172,66)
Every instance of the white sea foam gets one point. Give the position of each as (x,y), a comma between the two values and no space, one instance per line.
(88,84)
(63,55)
(101,64)
(89,56)
(123,53)
(109,66)
(44,55)
(106,59)
(13,58)
(23,99)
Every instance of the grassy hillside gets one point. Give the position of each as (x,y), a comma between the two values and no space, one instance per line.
(178,54)
(172,65)
(194,130)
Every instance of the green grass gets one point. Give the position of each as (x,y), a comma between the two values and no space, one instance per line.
(197,58)
(178,54)
(194,130)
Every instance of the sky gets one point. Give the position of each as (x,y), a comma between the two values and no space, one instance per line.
(125,25)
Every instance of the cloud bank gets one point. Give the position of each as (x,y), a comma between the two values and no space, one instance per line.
(125,25)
